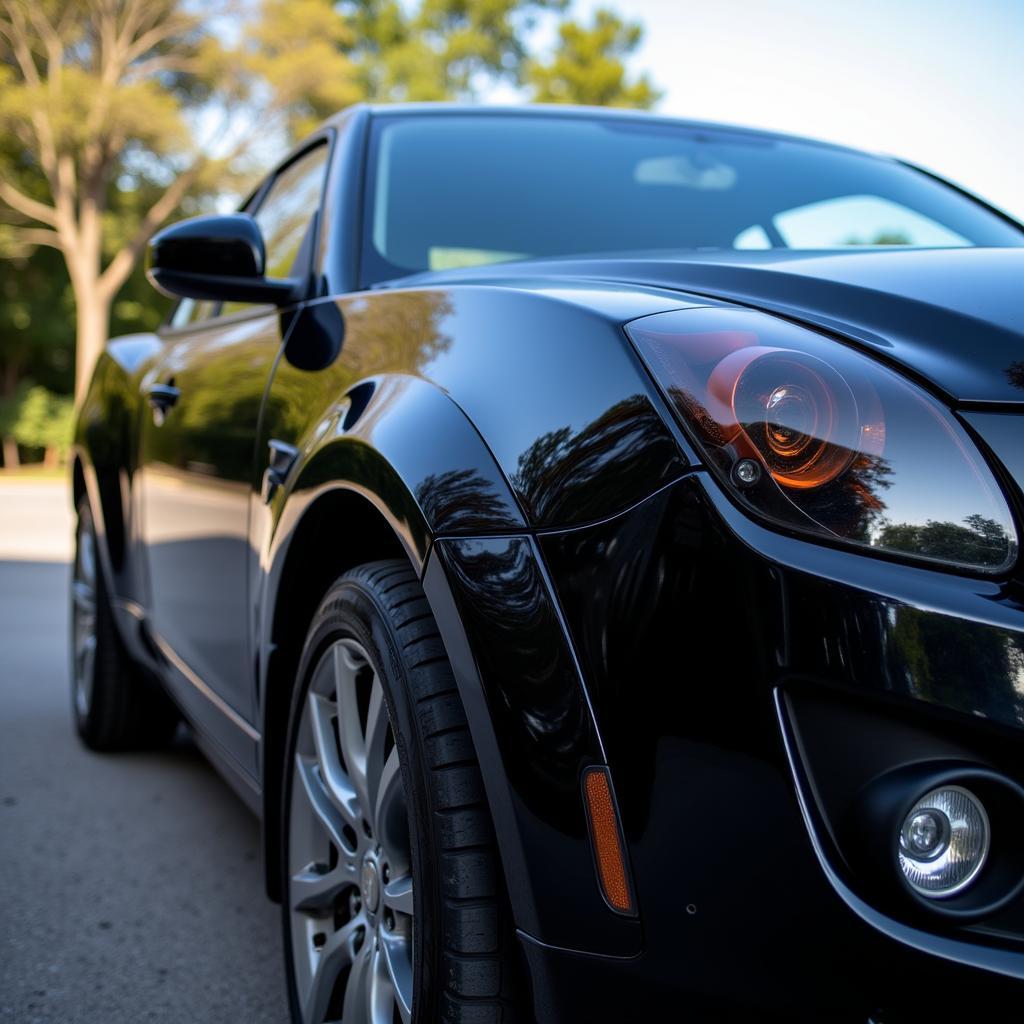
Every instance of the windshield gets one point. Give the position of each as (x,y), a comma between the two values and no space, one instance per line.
(469,189)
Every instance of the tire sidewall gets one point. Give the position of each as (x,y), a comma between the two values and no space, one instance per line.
(85,525)
(128,708)
(349,611)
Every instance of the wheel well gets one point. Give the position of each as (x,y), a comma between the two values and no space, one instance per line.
(339,531)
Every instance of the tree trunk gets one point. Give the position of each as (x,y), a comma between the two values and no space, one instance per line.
(11,459)
(92,317)
(51,456)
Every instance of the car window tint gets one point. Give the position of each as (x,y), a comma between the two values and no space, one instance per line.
(286,211)
(285,214)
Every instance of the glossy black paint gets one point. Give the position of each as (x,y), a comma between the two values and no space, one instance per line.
(540,735)
(218,257)
(569,457)
(948,316)
(673,608)
(107,428)
(1000,432)
(601,599)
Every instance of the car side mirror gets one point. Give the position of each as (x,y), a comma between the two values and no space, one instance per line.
(219,257)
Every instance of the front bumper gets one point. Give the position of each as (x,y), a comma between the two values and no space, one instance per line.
(707,643)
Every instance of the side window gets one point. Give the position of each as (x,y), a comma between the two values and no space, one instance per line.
(285,213)
(192,311)
(288,207)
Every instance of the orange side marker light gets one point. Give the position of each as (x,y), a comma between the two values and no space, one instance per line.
(606,839)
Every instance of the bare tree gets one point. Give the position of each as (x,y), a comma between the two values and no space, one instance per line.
(101,99)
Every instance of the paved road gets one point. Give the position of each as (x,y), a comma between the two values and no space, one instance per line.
(130,888)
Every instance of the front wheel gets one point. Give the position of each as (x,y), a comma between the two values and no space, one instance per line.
(394,906)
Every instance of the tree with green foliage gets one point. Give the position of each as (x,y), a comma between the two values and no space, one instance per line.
(117,114)
(440,49)
(980,541)
(589,67)
(98,96)
(44,421)
(34,417)
(36,308)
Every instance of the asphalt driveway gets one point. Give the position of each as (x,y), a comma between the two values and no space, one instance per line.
(130,886)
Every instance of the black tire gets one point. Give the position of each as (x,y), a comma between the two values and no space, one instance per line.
(114,704)
(466,966)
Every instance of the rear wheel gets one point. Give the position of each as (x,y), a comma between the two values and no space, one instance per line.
(115,706)
(394,909)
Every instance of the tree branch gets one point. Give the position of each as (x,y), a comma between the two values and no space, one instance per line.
(47,34)
(145,42)
(120,266)
(36,236)
(18,36)
(26,205)
(139,16)
(163,63)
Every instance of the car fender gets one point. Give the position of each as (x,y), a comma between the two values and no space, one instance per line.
(448,491)
(361,468)
(104,456)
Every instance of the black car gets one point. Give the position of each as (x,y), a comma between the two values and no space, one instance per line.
(589,541)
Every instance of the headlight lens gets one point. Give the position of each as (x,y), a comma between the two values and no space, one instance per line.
(944,842)
(849,449)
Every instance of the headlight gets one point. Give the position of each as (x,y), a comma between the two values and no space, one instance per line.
(817,437)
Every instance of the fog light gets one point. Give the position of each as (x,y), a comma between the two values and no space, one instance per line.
(944,842)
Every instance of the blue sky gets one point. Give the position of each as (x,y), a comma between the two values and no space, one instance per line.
(937,82)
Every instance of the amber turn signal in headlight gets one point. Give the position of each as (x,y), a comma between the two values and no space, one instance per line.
(815,436)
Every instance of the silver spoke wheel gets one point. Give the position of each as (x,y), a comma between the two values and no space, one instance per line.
(350,888)
(83,621)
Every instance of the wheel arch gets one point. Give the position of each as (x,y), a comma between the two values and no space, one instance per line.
(371,487)
(317,554)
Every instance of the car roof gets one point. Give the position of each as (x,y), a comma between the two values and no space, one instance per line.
(573,112)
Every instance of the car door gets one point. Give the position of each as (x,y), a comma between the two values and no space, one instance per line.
(203,395)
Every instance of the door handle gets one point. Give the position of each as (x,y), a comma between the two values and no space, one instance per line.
(161,398)
(279,463)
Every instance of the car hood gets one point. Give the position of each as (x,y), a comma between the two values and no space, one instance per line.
(952,316)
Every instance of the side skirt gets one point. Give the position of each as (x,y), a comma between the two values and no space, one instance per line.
(227,740)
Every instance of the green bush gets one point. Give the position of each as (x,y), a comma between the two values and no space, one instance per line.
(44,420)
(35,417)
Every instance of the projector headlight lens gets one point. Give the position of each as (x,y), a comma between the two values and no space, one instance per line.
(943,842)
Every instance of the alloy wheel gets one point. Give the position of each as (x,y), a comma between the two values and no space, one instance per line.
(350,869)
